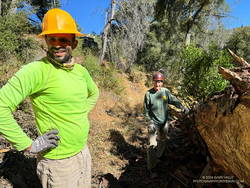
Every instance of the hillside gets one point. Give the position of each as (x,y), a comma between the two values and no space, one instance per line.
(117,141)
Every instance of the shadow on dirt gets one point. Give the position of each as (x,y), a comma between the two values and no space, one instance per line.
(183,160)
(135,174)
(182,165)
(135,170)
(19,170)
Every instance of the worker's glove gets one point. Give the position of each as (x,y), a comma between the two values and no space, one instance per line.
(47,141)
(185,110)
(151,122)
(151,127)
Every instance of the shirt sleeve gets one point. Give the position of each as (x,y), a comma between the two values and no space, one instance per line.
(22,84)
(146,106)
(93,91)
(173,100)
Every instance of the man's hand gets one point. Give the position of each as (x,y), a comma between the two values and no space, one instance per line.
(151,127)
(185,110)
(151,122)
(47,141)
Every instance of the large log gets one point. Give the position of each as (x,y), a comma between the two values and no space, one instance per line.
(223,122)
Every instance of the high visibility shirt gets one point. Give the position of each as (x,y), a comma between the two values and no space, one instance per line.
(61,100)
(156,105)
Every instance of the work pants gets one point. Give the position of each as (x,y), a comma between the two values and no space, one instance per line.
(157,136)
(71,172)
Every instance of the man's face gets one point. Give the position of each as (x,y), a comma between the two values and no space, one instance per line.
(158,84)
(60,46)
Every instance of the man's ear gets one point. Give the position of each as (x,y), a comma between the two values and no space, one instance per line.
(75,44)
(45,38)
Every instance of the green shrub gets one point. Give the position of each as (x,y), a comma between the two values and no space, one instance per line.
(200,68)
(106,78)
(239,42)
(13,42)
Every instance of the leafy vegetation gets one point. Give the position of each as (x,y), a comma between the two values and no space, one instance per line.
(13,39)
(106,78)
(175,25)
(239,42)
(200,70)
(42,6)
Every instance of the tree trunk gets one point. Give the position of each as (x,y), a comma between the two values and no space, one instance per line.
(13,7)
(223,122)
(188,39)
(106,30)
(8,7)
(0,7)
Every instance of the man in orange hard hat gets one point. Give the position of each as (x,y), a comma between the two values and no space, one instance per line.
(156,102)
(62,94)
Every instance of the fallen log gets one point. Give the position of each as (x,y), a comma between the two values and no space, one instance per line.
(223,122)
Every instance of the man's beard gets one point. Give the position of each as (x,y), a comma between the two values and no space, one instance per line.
(58,59)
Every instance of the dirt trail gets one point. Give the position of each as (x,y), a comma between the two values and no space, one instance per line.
(118,142)
(118,132)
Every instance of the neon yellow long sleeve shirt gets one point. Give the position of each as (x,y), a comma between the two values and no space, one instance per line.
(61,100)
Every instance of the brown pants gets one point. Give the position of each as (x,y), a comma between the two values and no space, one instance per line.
(71,172)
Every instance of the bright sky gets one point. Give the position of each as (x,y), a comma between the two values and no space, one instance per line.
(239,15)
(90,14)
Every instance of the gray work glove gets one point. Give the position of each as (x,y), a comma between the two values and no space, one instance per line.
(151,127)
(47,141)
(151,122)
(185,110)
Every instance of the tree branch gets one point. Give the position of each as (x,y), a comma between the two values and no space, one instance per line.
(239,60)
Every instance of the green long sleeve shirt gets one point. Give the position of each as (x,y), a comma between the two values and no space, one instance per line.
(156,105)
(61,100)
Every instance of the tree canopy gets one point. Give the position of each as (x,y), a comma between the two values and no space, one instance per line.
(42,6)
(239,41)
(175,25)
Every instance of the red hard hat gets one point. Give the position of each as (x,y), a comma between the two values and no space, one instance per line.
(158,76)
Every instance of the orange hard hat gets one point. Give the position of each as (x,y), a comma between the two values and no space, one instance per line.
(59,21)
(158,76)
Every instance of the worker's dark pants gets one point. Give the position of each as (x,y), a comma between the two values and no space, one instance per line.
(157,136)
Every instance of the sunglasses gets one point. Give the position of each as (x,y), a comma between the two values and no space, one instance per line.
(61,40)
